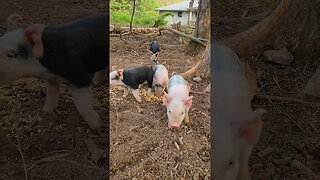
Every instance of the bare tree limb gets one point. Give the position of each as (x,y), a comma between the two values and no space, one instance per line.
(133,11)
(182,34)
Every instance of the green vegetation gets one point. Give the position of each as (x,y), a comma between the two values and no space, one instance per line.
(145,14)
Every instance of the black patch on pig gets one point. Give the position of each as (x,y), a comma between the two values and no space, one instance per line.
(23,51)
(135,76)
(76,50)
(154,47)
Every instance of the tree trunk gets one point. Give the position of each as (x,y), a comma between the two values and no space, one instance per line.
(202,26)
(133,11)
(202,30)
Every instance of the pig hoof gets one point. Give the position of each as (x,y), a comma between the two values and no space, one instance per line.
(94,121)
(95,125)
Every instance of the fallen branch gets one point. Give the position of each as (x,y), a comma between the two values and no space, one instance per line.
(286,99)
(184,35)
(117,35)
(204,93)
(295,122)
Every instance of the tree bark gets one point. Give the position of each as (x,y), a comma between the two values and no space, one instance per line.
(133,11)
(202,30)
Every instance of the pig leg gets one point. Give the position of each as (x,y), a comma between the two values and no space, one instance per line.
(125,92)
(52,98)
(244,165)
(150,82)
(82,98)
(186,117)
(98,77)
(135,93)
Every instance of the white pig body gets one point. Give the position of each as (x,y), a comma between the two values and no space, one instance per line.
(177,101)
(236,128)
(160,79)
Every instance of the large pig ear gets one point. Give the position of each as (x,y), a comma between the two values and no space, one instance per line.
(120,73)
(166,99)
(32,36)
(188,101)
(249,128)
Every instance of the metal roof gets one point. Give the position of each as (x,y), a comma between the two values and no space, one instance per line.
(182,6)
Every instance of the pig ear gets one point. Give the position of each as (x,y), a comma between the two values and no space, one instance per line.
(32,36)
(120,73)
(113,68)
(188,101)
(249,128)
(166,99)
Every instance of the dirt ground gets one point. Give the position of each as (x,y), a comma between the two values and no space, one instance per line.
(290,130)
(52,145)
(141,144)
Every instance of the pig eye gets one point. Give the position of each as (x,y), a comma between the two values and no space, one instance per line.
(181,113)
(231,163)
(115,78)
(11,54)
(169,111)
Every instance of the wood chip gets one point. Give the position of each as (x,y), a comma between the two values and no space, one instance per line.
(180,140)
(140,110)
(265,152)
(283,161)
(177,146)
(133,128)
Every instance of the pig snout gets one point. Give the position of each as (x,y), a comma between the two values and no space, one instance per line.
(174,125)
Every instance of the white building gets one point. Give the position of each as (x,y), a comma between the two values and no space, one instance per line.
(184,12)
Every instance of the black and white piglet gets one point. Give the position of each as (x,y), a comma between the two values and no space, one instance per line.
(154,50)
(64,53)
(131,79)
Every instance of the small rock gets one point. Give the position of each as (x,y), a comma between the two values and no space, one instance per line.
(197,79)
(282,56)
